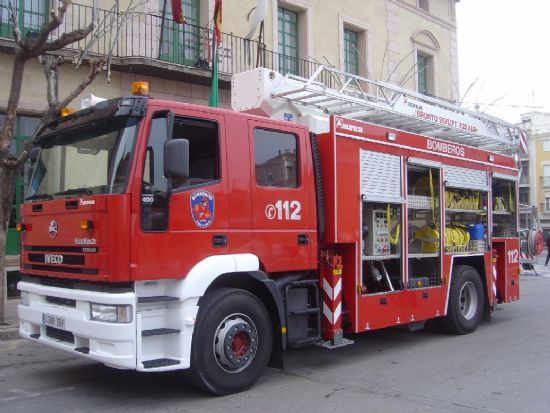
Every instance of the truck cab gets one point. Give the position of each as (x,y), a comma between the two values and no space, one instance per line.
(138,208)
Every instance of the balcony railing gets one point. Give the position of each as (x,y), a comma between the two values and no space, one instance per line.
(154,38)
(545,181)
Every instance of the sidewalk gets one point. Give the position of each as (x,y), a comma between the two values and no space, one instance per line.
(11,330)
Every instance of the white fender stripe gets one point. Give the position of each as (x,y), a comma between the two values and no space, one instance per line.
(205,272)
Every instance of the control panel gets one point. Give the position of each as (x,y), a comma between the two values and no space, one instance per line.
(377,236)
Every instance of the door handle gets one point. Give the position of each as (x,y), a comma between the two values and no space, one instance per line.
(303,239)
(219,241)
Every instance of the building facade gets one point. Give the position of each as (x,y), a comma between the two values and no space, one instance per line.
(412,43)
(535,179)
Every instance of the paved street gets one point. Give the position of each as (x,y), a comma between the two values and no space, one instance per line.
(503,367)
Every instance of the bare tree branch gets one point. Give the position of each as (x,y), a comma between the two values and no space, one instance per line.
(96,67)
(34,45)
(67,38)
(12,11)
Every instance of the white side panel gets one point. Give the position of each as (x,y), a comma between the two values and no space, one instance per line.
(380,176)
(466,178)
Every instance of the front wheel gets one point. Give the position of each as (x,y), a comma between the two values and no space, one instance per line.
(231,343)
(465,301)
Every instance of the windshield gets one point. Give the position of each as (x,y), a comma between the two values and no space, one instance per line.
(91,158)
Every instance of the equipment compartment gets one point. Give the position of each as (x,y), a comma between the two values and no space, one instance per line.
(381,247)
(466,220)
(504,208)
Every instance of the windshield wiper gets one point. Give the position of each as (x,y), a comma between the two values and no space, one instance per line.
(39,196)
(75,191)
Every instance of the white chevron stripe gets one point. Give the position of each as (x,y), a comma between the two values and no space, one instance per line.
(328,289)
(495,280)
(327,313)
(337,289)
(337,313)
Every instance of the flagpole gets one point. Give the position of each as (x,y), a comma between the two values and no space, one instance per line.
(213,101)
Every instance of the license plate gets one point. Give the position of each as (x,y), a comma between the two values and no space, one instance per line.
(52,320)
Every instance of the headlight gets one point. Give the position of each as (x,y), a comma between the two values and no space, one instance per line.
(111,313)
(25,298)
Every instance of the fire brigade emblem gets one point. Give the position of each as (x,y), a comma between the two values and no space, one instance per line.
(339,123)
(202,208)
(52,229)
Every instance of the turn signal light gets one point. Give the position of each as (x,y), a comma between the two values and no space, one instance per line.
(140,89)
(66,111)
(86,224)
(20,227)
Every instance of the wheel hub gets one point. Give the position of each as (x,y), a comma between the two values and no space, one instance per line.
(235,343)
(468,300)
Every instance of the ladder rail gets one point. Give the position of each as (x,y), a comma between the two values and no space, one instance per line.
(392,105)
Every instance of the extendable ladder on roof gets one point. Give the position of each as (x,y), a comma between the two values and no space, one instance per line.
(390,105)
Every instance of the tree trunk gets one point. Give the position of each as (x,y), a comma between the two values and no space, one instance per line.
(7,191)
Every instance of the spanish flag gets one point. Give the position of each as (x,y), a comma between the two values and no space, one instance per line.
(218,21)
(177,13)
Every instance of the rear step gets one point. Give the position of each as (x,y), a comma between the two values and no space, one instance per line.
(159,331)
(303,312)
(156,299)
(151,364)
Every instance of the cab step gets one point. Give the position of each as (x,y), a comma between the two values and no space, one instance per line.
(151,364)
(156,299)
(159,331)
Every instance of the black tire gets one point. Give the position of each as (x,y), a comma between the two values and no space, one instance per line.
(466,302)
(236,364)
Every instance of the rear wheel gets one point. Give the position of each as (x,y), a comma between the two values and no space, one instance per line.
(231,343)
(465,301)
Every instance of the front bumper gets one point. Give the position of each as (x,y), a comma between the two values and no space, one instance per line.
(113,344)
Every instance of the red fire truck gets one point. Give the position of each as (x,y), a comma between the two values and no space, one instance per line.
(163,236)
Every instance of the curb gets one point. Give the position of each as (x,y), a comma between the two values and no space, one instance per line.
(9,332)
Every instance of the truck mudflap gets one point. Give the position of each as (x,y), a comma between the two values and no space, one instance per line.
(61,318)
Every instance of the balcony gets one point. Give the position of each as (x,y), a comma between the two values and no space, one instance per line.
(151,45)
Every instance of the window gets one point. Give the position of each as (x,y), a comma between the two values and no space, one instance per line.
(32,18)
(288,41)
(524,196)
(204,165)
(275,155)
(424,5)
(546,146)
(351,56)
(547,202)
(424,68)
(180,42)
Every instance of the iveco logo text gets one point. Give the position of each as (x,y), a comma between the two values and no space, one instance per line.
(53,259)
(340,123)
(444,147)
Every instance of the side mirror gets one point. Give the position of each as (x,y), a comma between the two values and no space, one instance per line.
(33,155)
(176,158)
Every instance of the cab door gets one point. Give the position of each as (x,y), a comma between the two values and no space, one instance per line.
(283,212)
